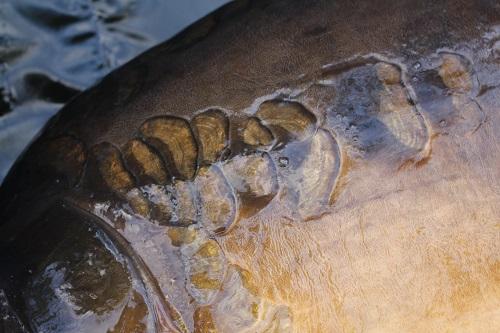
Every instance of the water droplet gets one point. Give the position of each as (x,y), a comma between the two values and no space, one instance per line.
(283,161)
(414,79)
(417,65)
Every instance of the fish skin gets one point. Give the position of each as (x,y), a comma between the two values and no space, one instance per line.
(408,245)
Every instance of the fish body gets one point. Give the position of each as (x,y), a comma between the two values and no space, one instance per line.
(280,166)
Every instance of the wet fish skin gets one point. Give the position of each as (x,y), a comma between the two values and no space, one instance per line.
(405,232)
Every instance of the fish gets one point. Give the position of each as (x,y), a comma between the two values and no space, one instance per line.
(279,166)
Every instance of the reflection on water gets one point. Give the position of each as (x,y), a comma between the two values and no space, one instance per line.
(51,50)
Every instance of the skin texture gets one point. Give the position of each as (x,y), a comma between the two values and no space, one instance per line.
(351,184)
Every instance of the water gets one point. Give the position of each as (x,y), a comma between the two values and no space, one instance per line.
(51,50)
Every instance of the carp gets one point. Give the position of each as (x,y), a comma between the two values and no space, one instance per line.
(279,166)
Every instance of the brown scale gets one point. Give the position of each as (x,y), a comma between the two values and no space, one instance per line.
(212,129)
(168,205)
(256,135)
(144,163)
(237,144)
(106,162)
(173,138)
(288,120)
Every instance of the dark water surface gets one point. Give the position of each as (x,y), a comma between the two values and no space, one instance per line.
(50,50)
